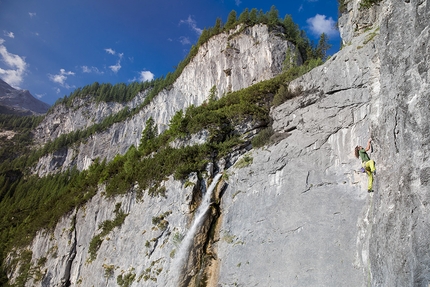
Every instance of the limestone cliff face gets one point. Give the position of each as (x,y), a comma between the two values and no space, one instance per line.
(402,141)
(230,62)
(298,214)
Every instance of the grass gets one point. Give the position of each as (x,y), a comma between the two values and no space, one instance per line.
(245,161)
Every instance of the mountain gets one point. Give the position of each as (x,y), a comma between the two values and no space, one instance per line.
(203,205)
(19,102)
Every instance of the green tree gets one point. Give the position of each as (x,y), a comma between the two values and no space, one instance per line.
(322,47)
(244,17)
(253,16)
(212,94)
(131,162)
(148,134)
(204,37)
(273,16)
(291,29)
(218,27)
(261,17)
(178,124)
(231,20)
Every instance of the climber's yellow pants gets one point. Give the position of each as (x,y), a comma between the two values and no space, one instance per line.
(369,166)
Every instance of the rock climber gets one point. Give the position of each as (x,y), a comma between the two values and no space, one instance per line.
(367,163)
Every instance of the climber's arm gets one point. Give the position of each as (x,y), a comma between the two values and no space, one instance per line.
(368,144)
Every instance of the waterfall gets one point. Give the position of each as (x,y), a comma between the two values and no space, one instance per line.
(200,215)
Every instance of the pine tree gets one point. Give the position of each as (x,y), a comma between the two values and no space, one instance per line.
(291,29)
(244,17)
(218,27)
(272,16)
(253,16)
(322,47)
(231,20)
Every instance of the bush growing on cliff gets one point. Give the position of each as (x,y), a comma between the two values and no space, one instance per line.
(366,4)
(262,138)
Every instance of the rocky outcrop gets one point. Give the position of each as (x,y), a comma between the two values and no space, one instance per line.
(296,212)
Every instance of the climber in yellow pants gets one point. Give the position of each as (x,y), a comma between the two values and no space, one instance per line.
(368,164)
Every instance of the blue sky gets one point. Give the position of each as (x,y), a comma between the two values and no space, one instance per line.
(52,47)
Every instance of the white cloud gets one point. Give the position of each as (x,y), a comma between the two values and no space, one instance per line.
(110,51)
(39,96)
(192,23)
(238,2)
(146,76)
(184,40)
(32,14)
(86,69)
(320,24)
(61,78)
(16,64)
(116,68)
(57,90)
(9,34)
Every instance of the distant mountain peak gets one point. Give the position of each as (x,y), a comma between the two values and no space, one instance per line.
(19,102)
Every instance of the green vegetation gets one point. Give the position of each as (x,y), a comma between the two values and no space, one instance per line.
(342,6)
(107,92)
(371,36)
(244,161)
(125,280)
(109,270)
(151,273)
(366,4)
(262,138)
(106,227)
(20,143)
(160,222)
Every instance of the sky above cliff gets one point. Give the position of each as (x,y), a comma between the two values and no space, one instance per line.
(52,47)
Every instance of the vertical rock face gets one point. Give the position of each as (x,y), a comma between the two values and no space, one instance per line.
(298,214)
(229,61)
(400,253)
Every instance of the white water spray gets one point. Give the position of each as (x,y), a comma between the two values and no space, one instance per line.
(184,249)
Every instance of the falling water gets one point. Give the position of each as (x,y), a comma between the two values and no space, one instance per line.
(184,249)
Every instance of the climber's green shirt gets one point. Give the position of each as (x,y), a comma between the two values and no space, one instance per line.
(363,155)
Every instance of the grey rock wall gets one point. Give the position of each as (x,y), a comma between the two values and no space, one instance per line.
(400,254)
